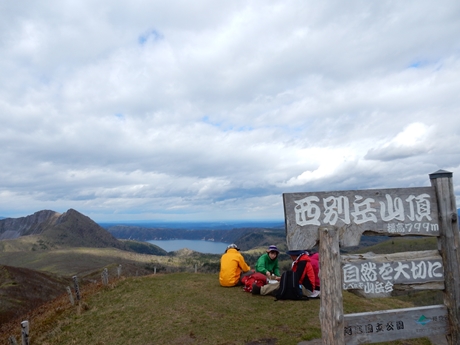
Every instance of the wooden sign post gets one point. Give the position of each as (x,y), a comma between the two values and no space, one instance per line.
(331,313)
(449,246)
(338,219)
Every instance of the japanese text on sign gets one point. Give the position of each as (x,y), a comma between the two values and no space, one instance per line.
(374,328)
(380,277)
(414,208)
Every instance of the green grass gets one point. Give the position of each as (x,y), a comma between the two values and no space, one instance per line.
(177,308)
(401,244)
(185,308)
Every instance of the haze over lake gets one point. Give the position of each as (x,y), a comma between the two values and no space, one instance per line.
(206,247)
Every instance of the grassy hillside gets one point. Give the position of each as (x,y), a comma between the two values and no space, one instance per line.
(173,308)
(22,289)
(263,238)
(181,308)
(401,244)
(36,276)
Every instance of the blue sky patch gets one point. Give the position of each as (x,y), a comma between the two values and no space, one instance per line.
(153,35)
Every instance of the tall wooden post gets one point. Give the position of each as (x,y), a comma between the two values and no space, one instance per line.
(450,249)
(331,309)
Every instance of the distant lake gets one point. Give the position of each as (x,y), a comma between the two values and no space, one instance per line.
(207,247)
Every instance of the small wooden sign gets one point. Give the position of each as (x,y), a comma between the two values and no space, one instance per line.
(389,325)
(393,212)
(377,275)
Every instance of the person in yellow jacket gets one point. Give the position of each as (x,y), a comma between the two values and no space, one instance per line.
(232,267)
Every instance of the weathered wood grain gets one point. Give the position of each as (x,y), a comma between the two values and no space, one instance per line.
(392,212)
(449,243)
(338,219)
(331,308)
(389,325)
(377,275)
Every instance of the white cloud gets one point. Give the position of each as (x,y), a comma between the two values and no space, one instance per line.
(205,110)
(412,141)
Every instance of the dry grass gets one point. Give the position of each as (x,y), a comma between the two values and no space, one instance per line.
(70,261)
(181,308)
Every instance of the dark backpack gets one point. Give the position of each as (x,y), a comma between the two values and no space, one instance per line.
(289,287)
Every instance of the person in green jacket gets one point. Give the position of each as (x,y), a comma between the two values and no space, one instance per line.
(268,263)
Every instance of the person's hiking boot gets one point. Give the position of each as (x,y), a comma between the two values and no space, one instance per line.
(255,289)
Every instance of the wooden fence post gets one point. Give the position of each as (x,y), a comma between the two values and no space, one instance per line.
(196,268)
(105,276)
(77,289)
(119,271)
(331,307)
(450,249)
(25,332)
(70,295)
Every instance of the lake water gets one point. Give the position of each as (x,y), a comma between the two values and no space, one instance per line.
(207,247)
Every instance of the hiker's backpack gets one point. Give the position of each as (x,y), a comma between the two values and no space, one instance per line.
(289,287)
(258,278)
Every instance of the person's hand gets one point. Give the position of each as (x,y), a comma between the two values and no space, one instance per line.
(278,278)
(268,274)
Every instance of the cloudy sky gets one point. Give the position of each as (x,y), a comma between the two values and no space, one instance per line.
(210,110)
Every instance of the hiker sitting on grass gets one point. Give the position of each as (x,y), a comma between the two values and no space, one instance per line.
(304,275)
(233,267)
(314,259)
(268,263)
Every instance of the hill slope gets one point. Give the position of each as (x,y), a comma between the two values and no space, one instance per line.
(77,230)
(22,289)
(68,229)
(226,236)
(11,228)
(37,250)
(183,308)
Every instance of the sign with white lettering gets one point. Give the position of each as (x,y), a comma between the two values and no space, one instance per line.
(378,274)
(393,212)
(389,325)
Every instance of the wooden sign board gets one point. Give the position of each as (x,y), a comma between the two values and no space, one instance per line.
(392,212)
(377,275)
(389,325)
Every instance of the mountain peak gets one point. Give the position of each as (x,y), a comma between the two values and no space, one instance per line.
(70,228)
(11,228)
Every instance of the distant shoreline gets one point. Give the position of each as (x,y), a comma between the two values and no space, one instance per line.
(215,225)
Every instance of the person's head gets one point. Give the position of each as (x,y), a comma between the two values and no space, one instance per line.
(273,252)
(294,254)
(232,246)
